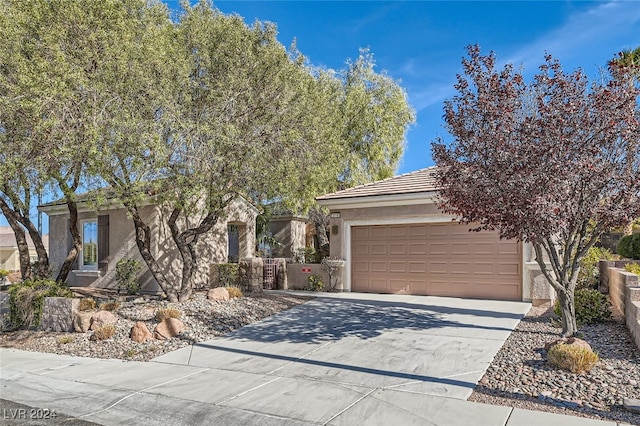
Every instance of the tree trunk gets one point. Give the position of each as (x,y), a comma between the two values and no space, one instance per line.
(321,223)
(143,242)
(67,265)
(21,239)
(568,310)
(186,243)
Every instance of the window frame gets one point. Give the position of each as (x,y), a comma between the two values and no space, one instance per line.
(81,263)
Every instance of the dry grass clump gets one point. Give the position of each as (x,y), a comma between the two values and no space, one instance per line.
(109,306)
(164,313)
(87,304)
(234,292)
(105,332)
(576,359)
(63,340)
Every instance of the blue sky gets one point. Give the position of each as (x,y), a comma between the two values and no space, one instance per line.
(421,43)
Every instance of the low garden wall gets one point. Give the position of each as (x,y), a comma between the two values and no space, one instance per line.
(624,292)
(298,275)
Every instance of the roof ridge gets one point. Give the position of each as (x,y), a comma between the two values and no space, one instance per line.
(364,185)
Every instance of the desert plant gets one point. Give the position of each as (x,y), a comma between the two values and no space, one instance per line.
(634,268)
(109,306)
(574,358)
(629,246)
(332,266)
(591,306)
(234,292)
(105,332)
(305,255)
(87,304)
(589,274)
(26,300)
(126,275)
(315,283)
(228,274)
(63,340)
(164,313)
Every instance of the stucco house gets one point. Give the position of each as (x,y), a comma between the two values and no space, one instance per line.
(108,235)
(9,256)
(395,239)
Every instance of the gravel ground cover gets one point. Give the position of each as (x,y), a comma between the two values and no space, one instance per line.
(204,320)
(519,375)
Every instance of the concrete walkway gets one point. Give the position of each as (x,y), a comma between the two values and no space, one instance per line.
(344,359)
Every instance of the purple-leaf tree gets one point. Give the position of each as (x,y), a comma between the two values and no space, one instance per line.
(554,163)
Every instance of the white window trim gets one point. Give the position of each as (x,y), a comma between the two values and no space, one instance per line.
(81,265)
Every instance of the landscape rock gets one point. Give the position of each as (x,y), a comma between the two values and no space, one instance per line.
(100,318)
(219,294)
(82,321)
(568,341)
(168,328)
(140,333)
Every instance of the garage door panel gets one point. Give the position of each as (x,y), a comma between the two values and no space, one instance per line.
(438,259)
(378,266)
(396,249)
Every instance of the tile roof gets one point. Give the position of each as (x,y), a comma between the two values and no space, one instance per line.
(422,180)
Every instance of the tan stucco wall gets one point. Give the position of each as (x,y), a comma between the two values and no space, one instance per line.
(289,231)
(211,248)
(9,259)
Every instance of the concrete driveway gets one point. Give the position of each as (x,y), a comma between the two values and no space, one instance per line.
(338,359)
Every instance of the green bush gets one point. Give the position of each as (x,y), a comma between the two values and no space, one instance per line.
(228,274)
(629,246)
(315,283)
(127,275)
(591,306)
(634,268)
(576,359)
(26,300)
(3,274)
(305,255)
(589,274)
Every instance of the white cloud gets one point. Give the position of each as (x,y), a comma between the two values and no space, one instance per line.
(587,39)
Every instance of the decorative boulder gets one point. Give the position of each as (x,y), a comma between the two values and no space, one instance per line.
(82,321)
(168,328)
(140,333)
(218,294)
(101,318)
(568,341)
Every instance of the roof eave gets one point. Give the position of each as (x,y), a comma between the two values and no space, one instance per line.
(413,198)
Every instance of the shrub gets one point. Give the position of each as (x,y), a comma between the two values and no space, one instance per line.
(305,255)
(634,268)
(105,332)
(576,359)
(127,275)
(87,304)
(589,272)
(26,300)
(109,306)
(63,340)
(228,274)
(591,306)
(234,292)
(3,274)
(164,313)
(629,246)
(315,283)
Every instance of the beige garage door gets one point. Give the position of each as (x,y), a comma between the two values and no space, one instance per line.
(442,259)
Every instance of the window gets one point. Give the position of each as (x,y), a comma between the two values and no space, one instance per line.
(89,254)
